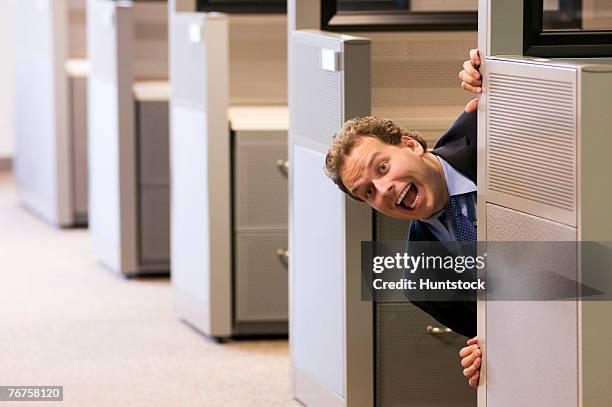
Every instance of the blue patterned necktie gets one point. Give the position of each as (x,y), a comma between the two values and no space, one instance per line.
(464,229)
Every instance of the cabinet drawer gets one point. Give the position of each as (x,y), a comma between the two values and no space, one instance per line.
(260,181)
(406,353)
(261,288)
(152,126)
(154,225)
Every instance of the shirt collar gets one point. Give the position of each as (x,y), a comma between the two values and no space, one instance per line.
(456,183)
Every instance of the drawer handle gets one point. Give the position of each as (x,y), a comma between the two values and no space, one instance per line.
(283,166)
(282,253)
(435,330)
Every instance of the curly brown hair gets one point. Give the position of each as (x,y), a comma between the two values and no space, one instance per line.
(351,132)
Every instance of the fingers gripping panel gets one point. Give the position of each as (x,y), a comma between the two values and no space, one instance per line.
(319,97)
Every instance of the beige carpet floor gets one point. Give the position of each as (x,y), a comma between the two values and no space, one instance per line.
(65,320)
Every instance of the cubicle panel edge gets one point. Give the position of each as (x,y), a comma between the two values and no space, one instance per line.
(111,130)
(330,331)
(42,147)
(566,336)
(200,161)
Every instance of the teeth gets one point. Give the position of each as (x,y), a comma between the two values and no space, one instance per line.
(416,201)
(403,194)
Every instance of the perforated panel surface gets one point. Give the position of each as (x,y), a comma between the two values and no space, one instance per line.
(154,228)
(153,143)
(77,34)
(150,30)
(261,277)
(391,229)
(531,142)
(260,186)
(320,98)
(547,330)
(414,79)
(258,59)
(511,225)
(405,353)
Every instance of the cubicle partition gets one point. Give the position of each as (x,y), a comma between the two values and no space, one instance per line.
(201,218)
(229,163)
(50,158)
(551,189)
(332,331)
(128,130)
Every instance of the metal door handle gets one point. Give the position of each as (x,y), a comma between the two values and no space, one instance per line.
(436,330)
(283,166)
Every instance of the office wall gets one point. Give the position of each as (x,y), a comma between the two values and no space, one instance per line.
(7,133)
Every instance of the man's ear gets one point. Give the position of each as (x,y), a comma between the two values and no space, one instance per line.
(412,144)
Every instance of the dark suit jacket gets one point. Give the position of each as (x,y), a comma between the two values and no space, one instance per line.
(458,147)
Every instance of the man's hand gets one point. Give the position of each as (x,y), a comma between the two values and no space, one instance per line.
(471,79)
(471,357)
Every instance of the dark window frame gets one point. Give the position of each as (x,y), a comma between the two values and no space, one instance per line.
(243,6)
(561,44)
(331,20)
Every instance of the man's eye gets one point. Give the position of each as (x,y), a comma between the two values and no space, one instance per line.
(383,167)
(369,191)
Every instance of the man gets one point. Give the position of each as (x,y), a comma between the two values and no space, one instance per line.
(375,161)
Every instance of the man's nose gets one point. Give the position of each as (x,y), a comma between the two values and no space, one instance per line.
(383,186)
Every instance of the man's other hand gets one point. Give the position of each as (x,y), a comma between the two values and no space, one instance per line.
(471,79)
(471,357)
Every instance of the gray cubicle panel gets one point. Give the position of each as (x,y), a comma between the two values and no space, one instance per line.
(200,159)
(127,43)
(565,103)
(229,221)
(47,159)
(553,188)
(331,330)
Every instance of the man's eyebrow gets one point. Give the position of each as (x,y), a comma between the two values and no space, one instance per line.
(355,191)
(372,158)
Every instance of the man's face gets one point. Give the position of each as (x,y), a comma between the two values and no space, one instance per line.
(403,181)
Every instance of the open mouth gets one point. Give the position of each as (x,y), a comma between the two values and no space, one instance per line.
(409,198)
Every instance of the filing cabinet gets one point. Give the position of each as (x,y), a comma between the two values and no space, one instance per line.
(260,249)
